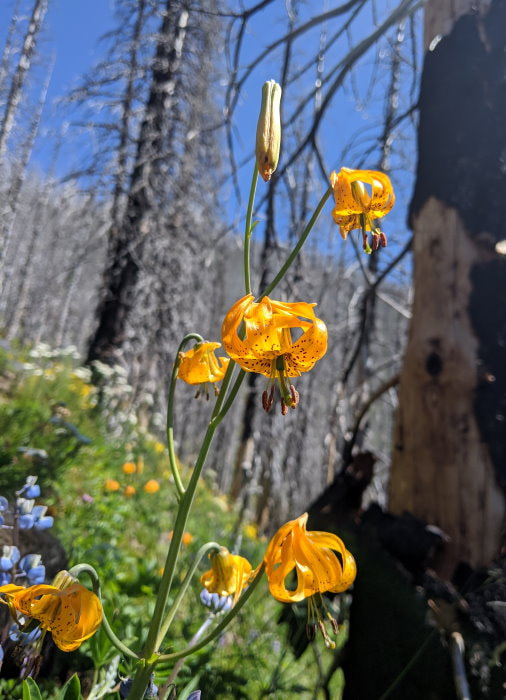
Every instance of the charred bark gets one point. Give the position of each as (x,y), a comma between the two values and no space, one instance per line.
(450,441)
(127,241)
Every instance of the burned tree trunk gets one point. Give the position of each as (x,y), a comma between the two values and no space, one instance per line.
(450,440)
(18,80)
(126,241)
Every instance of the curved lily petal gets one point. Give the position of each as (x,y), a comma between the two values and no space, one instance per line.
(311,554)
(199,365)
(228,575)
(354,207)
(267,326)
(72,614)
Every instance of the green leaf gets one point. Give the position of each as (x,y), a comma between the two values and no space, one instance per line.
(31,690)
(71,690)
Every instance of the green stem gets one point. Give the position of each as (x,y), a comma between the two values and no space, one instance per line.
(170,414)
(219,628)
(248,230)
(282,272)
(141,680)
(179,527)
(216,419)
(95,581)
(223,389)
(205,549)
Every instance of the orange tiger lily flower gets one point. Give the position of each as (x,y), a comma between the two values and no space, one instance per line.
(228,575)
(355,208)
(268,347)
(310,553)
(72,614)
(199,365)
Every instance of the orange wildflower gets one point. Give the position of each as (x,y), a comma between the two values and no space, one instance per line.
(71,614)
(356,208)
(151,486)
(129,468)
(268,347)
(199,365)
(111,485)
(228,575)
(310,554)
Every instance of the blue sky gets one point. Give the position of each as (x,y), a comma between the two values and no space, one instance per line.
(72,30)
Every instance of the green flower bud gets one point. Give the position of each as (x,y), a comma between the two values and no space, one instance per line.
(269,130)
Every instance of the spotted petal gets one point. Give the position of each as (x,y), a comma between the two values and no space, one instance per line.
(353,199)
(267,335)
(71,614)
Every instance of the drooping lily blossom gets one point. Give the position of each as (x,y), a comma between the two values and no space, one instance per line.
(71,613)
(199,365)
(228,575)
(266,346)
(356,207)
(311,555)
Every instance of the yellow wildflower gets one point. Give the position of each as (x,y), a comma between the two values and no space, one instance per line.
(267,346)
(310,554)
(72,613)
(199,365)
(355,208)
(228,575)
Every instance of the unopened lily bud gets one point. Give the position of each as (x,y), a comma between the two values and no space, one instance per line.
(269,130)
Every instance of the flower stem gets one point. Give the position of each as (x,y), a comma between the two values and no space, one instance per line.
(170,414)
(219,628)
(95,581)
(218,416)
(283,270)
(205,549)
(141,680)
(248,230)
(172,555)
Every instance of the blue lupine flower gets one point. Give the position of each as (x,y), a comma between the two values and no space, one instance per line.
(10,556)
(4,504)
(215,602)
(24,638)
(24,507)
(4,578)
(30,565)
(31,489)
(1,655)
(32,516)
(195,695)
(41,520)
